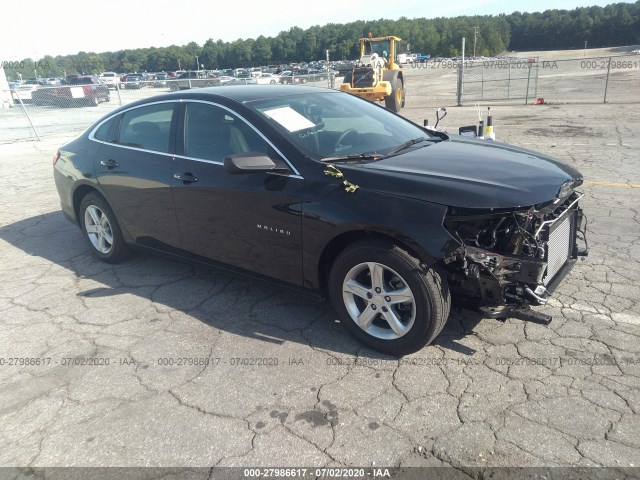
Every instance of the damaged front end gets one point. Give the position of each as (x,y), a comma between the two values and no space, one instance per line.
(510,259)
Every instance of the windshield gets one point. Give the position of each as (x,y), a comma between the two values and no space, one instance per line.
(382,48)
(332,124)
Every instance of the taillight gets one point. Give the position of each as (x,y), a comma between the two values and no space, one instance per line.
(86,89)
(56,157)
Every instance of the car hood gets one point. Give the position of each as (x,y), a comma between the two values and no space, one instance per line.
(466,173)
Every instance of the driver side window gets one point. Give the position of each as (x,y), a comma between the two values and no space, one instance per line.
(212,133)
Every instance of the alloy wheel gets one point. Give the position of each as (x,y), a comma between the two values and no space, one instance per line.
(379,300)
(98,229)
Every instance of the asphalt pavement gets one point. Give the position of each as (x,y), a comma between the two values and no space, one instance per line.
(159,363)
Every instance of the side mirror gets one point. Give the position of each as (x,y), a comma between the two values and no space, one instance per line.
(249,162)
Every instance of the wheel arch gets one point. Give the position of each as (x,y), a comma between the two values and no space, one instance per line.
(392,75)
(82,191)
(345,239)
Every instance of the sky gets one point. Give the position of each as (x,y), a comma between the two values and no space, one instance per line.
(62,27)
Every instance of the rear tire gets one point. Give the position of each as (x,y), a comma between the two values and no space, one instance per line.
(387,298)
(101,230)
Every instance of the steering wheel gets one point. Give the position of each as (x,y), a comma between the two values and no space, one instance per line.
(343,135)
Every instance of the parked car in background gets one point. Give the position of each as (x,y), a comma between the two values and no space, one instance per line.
(243,73)
(225,79)
(51,81)
(301,76)
(343,67)
(316,75)
(406,58)
(193,79)
(242,81)
(160,80)
(267,79)
(285,77)
(80,91)
(328,192)
(110,79)
(23,92)
(133,81)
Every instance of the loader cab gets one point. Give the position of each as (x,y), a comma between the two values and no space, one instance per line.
(384,47)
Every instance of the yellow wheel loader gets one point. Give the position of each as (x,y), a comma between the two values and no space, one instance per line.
(376,75)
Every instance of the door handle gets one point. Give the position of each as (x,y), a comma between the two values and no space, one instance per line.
(111,163)
(186,177)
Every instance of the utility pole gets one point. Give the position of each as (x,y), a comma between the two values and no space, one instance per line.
(197,63)
(475,38)
(585,48)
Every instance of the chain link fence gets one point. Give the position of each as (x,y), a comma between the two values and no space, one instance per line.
(586,80)
(71,107)
(74,104)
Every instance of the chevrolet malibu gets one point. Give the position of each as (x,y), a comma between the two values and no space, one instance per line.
(327,192)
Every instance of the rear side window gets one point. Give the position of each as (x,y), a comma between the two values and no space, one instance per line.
(104,132)
(147,127)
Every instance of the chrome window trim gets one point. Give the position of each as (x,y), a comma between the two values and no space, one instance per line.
(215,162)
(92,137)
(296,173)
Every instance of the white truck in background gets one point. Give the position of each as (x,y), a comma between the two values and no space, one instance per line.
(110,79)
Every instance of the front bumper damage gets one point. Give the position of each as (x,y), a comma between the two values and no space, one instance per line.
(509,261)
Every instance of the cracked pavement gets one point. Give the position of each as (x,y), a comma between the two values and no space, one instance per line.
(205,369)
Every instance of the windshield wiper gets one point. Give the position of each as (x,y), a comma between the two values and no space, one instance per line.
(408,144)
(354,156)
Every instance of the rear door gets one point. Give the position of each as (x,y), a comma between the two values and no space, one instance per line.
(135,168)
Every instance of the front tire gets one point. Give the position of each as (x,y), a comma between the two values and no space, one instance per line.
(395,101)
(387,298)
(101,230)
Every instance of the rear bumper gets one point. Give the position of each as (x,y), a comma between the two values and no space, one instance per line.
(64,187)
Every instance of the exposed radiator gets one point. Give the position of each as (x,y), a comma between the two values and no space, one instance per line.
(559,246)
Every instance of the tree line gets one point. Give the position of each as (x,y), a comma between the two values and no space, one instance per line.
(613,25)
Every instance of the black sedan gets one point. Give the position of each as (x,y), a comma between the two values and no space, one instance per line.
(329,193)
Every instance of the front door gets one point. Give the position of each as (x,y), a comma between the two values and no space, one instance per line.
(251,221)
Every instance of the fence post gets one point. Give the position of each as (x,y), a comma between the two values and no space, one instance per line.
(537,76)
(459,87)
(606,85)
(460,76)
(118,90)
(509,82)
(526,100)
(26,114)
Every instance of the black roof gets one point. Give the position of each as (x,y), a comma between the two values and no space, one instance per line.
(236,93)
(247,93)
